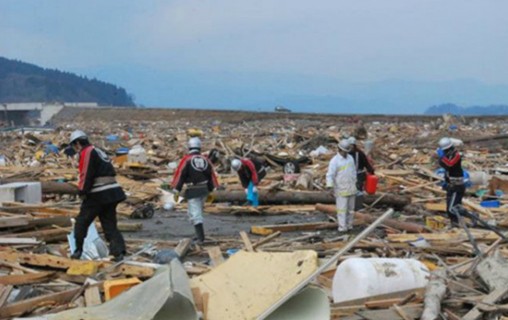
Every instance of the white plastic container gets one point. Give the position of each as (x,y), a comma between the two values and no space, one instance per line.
(357,278)
(479,178)
(137,154)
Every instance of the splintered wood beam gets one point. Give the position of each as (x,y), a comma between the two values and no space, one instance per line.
(23,279)
(183,247)
(246,241)
(46,260)
(266,239)
(216,256)
(28,305)
(490,299)
(92,296)
(5,291)
(8,222)
(307,197)
(269,229)
(18,241)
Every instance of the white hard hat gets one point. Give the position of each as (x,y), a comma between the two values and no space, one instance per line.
(445,143)
(351,140)
(344,145)
(236,164)
(194,143)
(78,134)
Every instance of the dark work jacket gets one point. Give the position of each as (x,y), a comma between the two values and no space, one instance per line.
(452,163)
(361,161)
(251,170)
(95,164)
(195,169)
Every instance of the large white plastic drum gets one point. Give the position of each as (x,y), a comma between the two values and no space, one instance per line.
(357,278)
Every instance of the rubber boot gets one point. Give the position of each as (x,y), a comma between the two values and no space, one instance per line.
(118,257)
(200,232)
(77,255)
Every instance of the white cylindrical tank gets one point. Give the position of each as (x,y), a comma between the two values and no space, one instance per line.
(357,278)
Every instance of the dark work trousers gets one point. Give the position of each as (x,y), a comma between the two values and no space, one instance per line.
(360,180)
(454,195)
(107,216)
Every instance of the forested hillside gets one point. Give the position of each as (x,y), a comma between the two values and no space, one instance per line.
(24,82)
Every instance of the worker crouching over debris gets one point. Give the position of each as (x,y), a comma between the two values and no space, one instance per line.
(450,160)
(341,177)
(100,194)
(197,173)
(250,172)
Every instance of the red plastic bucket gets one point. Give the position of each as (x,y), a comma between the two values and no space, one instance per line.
(371,184)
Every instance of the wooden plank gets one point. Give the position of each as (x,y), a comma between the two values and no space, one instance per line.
(198,299)
(5,291)
(183,247)
(19,221)
(402,313)
(325,282)
(454,235)
(46,260)
(266,239)
(477,208)
(215,255)
(206,297)
(18,241)
(411,311)
(395,295)
(50,235)
(269,229)
(21,279)
(92,296)
(441,207)
(26,306)
(491,298)
(246,241)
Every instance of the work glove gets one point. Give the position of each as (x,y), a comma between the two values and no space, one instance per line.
(255,190)
(210,198)
(176,195)
(440,153)
(246,191)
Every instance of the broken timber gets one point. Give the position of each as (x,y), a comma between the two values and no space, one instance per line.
(307,197)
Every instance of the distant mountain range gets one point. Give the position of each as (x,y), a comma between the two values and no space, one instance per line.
(262,91)
(492,110)
(24,82)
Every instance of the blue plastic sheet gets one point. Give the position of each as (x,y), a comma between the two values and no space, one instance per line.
(112,137)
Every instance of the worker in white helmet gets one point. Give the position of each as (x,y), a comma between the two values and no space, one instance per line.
(455,184)
(101,194)
(196,172)
(341,176)
(250,172)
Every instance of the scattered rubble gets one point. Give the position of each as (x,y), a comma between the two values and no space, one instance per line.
(465,268)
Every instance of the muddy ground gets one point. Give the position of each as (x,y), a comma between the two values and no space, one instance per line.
(175,225)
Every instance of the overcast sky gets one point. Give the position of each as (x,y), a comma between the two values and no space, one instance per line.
(354,40)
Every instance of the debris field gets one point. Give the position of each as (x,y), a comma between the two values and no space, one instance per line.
(251,249)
